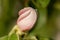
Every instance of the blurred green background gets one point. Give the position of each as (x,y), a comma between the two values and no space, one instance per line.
(8,15)
(48,9)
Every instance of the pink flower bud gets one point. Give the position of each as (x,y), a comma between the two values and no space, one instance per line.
(27,19)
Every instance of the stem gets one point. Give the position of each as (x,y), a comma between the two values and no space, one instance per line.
(15,29)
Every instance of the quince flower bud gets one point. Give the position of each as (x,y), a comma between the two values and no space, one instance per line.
(27,19)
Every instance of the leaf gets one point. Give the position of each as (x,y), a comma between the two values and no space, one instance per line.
(43,3)
(4,38)
(13,37)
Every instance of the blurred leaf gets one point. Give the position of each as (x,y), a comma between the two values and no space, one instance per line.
(13,37)
(43,3)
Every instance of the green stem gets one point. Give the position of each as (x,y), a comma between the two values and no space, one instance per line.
(16,30)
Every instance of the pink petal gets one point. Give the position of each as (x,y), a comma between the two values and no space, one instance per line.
(27,20)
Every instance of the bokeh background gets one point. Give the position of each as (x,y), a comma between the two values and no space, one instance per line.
(8,15)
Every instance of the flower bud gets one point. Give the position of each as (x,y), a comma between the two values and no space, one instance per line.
(27,19)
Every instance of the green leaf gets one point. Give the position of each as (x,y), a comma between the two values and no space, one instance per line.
(43,3)
(13,37)
(4,38)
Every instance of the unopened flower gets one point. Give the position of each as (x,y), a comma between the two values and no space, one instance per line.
(27,19)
